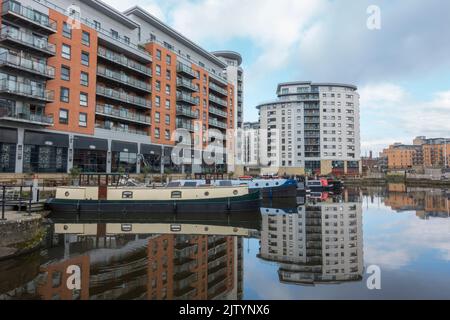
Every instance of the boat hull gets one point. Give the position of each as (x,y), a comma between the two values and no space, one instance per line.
(246,203)
(289,191)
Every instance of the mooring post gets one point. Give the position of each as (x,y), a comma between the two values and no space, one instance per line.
(20,198)
(3,202)
(30,200)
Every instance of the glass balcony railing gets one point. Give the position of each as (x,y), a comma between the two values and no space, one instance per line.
(123,97)
(217,100)
(187,112)
(29,14)
(182,68)
(123,130)
(123,78)
(217,112)
(26,90)
(218,89)
(219,124)
(187,98)
(13,60)
(27,39)
(124,61)
(187,84)
(122,114)
(9,114)
(185,125)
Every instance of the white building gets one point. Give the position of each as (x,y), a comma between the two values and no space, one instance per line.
(250,144)
(311,128)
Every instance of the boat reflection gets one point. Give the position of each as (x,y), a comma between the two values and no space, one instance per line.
(316,243)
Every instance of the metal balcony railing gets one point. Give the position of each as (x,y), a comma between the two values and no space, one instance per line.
(187,84)
(217,112)
(218,89)
(123,78)
(217,100)
(41,19)
(219,124)
(123,61)
(187,112)
(27,39)
(182,68)
(124,130)
(185,125)
(187,98)
(123,97)
(122,114)
(8,114)
(26,90)
(16,61)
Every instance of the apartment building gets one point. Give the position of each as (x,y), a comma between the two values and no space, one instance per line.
(314,244)
(311,128)
(424,153)
(85,85)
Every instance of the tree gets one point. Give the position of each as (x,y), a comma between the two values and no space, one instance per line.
(74,174)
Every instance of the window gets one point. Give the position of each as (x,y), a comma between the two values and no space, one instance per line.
(156,133)
(167,119)
(158,54)
(65,51)
(168,60)
(126,39)
(175,195)
(114,34)
(84,58)
(168,75)
(158,85)
(84,78)
(167,104)
(85,38)
(67,30)
(158,70)
(83,99)
(82,119)
(63,116)
(157,101)
(167,89)
(65,73)
(97,25)
(157,117)
(64,94)
(127,195)
(167,134)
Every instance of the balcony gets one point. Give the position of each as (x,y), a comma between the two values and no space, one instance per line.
(217,100)
(123,79)
(25,117)
(187,112)
(123,130)
(14,11)
(123,115)
(187,98)
(26,41)
(217,112)
(217,124)
(186,84)
(309,119)
(181,124)
(26,90)
(123,61)
(217,89)
(19,63)
(185,293)
(123,97)
(187,71)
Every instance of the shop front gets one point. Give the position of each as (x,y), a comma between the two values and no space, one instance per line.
(90,154)
(8,143)
(123,156)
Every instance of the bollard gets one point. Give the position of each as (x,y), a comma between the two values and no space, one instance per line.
(30,200)
(20,199)
(3,202)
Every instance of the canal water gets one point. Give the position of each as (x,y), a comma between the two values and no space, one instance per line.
(365,243)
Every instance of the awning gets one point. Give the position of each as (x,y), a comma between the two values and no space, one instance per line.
(46,139)
(8,135)
(121,146)
(90,143)
(151,149)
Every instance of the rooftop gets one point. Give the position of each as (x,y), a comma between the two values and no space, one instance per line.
(232,55)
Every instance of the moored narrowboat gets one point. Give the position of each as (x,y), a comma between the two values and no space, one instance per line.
(122,199)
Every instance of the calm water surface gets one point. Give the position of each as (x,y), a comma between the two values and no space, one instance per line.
(316,247)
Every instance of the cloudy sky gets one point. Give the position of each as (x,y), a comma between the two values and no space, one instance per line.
(402,70)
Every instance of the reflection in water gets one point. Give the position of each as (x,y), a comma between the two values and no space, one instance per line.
(314,242)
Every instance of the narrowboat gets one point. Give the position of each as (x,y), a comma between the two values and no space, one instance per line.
(323,184)
(107,198)
(269,188)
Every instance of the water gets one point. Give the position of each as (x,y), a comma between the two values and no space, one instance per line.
(305,248)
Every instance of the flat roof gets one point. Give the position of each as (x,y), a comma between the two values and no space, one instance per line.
(233,55)
(111,12)
(319,84)
(146,16)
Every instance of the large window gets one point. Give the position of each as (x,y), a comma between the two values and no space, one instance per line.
(86,38)
(65,52)
(125,160)
(90,160)
(37,158)
(7,157)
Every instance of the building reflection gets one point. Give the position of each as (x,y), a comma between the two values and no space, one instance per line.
(427,203)
(141,261)
(320,242)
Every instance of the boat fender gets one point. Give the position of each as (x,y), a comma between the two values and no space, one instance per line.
(228,204)
(175,208)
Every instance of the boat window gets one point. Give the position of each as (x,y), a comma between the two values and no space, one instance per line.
(206,193)
(127,195)
(267,184)
(277,183)
(173,184)
(235,192)
(175,195)
(190,184)
(225,183)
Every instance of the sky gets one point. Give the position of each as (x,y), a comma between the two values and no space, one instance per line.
(402,69)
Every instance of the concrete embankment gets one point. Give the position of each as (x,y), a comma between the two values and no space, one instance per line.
(20,233)
(408,182)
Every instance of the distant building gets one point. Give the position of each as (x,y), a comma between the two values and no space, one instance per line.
(251,143)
